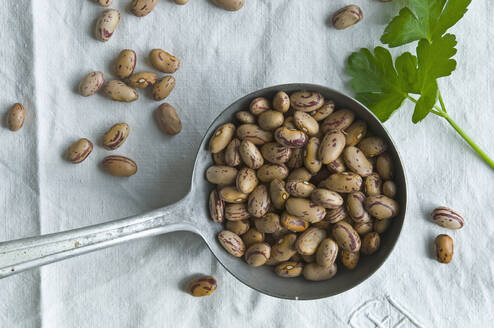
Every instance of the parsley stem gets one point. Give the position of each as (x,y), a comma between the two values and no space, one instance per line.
(441,101)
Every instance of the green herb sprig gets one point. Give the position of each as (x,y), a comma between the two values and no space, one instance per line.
(383,84)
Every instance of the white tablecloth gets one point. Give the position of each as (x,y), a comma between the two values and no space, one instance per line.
(48,46)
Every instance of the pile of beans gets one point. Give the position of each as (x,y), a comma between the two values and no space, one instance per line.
(299,185)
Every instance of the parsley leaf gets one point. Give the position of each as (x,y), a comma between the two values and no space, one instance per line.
(426,19)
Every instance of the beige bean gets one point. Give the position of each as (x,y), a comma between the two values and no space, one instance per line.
(289,269)
(79,150)
(372,146)
(164,61)
(251,156)
(300,174)
(311,160)
(356,161)
(125,63)
(389,189)
(323,112)
(306,123)
(338,121)
(447,218)
(216,207)
(104,3)
(380,226)
(289,123)
(381,207)
(202,286)
(16,116)
(268,172)
(309,240)
(327,252)
(335,215)
(276,153)
(270,120)
(305,209)
(298,188)
(246,180)
(337,166)
(347,16)
(296,159)
(346,237)
(444,248)
(107,24)
(221,137)
(91,84)
(259,201)
(252,236)
(363,227)
(384,166)
(342,182)
(281,102)
(141,8)
(331,147)
(245,117)
(278,194)
(230,194)
(269,223)
(116,136)
(370,243)
(326,198)
(142,79)
(315,272)
(238,227)
(308,258)
(355,132)
(355,207)
(236,212)
(219,158)
(259,106)
(232,243)
(167,119)
(163,87)
(306,101)
(257,254)
(254,134)
(290,138)
(373,185)
(180,2)
(119,91)
(221,175)
(293,223)
(284,248)
(119,166)
(230,5)
(232,153)
(350,259)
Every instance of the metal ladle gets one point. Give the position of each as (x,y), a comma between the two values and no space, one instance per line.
(192,214)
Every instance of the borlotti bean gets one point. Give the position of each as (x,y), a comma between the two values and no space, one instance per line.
(79,150)
(202,286)
(180,2)
(125,63)
(164,61)
(444,248)
(15,117)
(104,3)
(142,7)
(116,136)
(107,24)
(91,83)
(142,79)
(447,218)
(163,87)
(168,120)
(230,5)
(299,182)
(119,166)
(119,91)
(347,16)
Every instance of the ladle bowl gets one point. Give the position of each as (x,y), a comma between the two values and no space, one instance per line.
(192,214)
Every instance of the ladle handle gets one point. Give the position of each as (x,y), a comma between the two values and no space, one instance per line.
(24,254)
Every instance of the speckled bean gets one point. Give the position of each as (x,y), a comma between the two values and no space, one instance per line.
(268,172)
(142,79)
(91,84)
(116,136)
(373,185)
(251,156)
(289,269)
(347,16)
(326,198)
(276,153)
(299,188)
(232,243)
(372,146)
(305,209)
(290,138)
(306,101)
(16,116)
(447,218)
(331,147)
(337,166)
(389,189)
(355,132)
(293,223)
(309,240)
(311,159)
(356,161)
(338,121)
(323,112)
(245,117)
(257,254)
(335,215)
(380,226)
(252,236)
(246,180)
(202,286)
(254,134)
(238,227)
(221,175)
(230,194)
(259,106)
(259,201)
(278,194)
(164,61)
(327,252)
(370,243)
(296,159)
(270,120)
(236,212)
(381,207)
(107,24)
(216,207)
(163,87)
(444,248)
(306,123)
(281,102)
(230,5)
(141,8)
(125,63)
(167,119)
(346,237)
(119,166)
(119,91)
(355,207)
(284,248)
(79,150)
(315,272)
(232,153)
(221,137)
(350,259)
(344,182)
